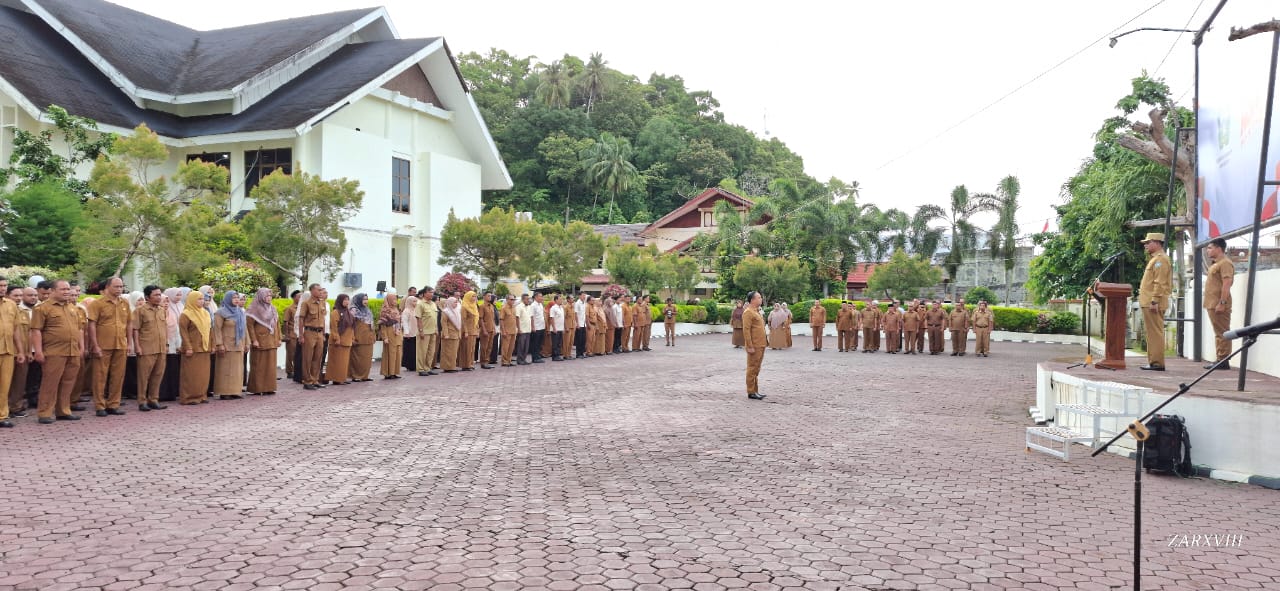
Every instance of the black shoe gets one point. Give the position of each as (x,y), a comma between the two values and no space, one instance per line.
(1206,366)
(755,396)
(311,387)
(115,411)
(1152,367)
(68,417)
(424,373)
(486,366)
(144,408)
(434,372)
(45,421)
(102,413)
(6,425)
(962,353)
(18,414)
(157,406)
(468,369)
(954,354)
(450,371)
(539,360)
(77,407)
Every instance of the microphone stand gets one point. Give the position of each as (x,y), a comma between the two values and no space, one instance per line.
(1138,429)
(1088,318)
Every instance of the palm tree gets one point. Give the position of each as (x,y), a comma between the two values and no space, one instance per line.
(964,235)
(594,78)
(555,88)
(1004,235)
(608,167)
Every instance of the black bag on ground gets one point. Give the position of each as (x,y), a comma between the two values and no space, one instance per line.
(1168,449)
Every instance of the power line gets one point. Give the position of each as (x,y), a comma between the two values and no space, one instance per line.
(1019,87)
(1177,39)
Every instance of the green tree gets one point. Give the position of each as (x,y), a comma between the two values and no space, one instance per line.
(555,87)
(634,266)
(903,276)
(775,278)
(498,82)
(677,272)
(35,161)
(136,210)
(608,168)
(491,246)
(594,79)
(44,217)
(297,222)
(964,234)
(239,276)
(568,253)
(979,293)
(1004,235)
(563,165)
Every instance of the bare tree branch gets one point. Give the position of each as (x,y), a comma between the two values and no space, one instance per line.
(1237,33)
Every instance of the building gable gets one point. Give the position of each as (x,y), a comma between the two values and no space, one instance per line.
(694,212)
(413,83)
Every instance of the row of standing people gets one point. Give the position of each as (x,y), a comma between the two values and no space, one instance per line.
(898,329)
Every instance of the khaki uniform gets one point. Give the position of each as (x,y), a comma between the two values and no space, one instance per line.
(289,334)
(669,323)
(362,351)
(983,321)
(151,344)
(855,327)
(428,334)
(817,324)
(600,343)
(466,354)
(958,324)
(754,337)
(487,331)
(338,370)
(61,342)
(644,325)
(1219,271)
(843,319)
(934,320)
(111,323)
(1155,288)
(311,314)
(892,322)
(450,338)
(570,324)
(911,322)
(920,313)
(509,327)
(392,336)
(264,344)
(736,325)
(18,387)
(628,324)
(871,328)
(195,369)
(10,348)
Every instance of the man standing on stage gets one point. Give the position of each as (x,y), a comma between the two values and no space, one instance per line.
(1153,297)
(1217,297)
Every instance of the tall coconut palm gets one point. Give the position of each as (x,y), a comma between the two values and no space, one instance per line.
(1004,235)
(594,79)
(964,235)
(608,167)
(555,88)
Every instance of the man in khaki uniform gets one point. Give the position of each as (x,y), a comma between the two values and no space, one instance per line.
(1153,297)
(488,330)
(429,332)
(312,318)
(628,323)
(149,340)
(509,328)
(11,352)
(17,394)
(892,322)
(921,310)
(934,319)
(983,321)
(911,322)
(109,340)
(58,343)
(871,327)
(817,323)
(754,341)
(289,334)
(855,326)
(643,322)
(1217,297)
(842,327)
(958,324)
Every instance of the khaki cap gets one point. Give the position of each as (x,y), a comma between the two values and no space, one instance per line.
(1157,236)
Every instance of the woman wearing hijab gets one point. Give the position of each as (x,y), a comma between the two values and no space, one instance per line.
(169,385)
(262,320)
(195,327)
(211,306)
(409,320)
(787,328)
(342,333)
(229,332)
(450,335)
(364,338)
(736,322)
(470,332)
(392,334)
(777,327)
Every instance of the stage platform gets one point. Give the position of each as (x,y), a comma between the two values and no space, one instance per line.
(1234,434)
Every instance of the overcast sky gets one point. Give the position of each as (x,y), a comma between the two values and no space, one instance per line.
(884,93)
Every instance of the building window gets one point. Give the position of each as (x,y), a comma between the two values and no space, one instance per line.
(399,185)
(393,266)
(222,159)
(708,219)
(260,163)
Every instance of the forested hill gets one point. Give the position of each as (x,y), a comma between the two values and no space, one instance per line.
(579,134)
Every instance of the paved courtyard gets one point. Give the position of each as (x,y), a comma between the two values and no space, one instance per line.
(640,471)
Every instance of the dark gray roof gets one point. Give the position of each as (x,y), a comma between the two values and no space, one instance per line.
(48,70)
(166,57)
(626,233)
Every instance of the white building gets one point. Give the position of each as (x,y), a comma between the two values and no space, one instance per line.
(336,95)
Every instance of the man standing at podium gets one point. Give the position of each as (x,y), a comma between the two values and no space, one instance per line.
(1153,296)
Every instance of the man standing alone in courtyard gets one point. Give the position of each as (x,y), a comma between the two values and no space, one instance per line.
(817,323)
(754,340)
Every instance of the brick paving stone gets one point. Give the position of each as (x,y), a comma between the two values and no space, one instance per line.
(641,471)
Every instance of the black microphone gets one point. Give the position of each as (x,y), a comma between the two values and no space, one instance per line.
(1114,256)
(1252,330)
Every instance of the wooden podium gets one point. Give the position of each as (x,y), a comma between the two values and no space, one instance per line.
(1117,303)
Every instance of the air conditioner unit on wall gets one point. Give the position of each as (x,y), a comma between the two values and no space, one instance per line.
(352,279)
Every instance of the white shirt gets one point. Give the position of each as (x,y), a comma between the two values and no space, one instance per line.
(557,318)
(617,313)
(524,316)
(580,313)
(539,316)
